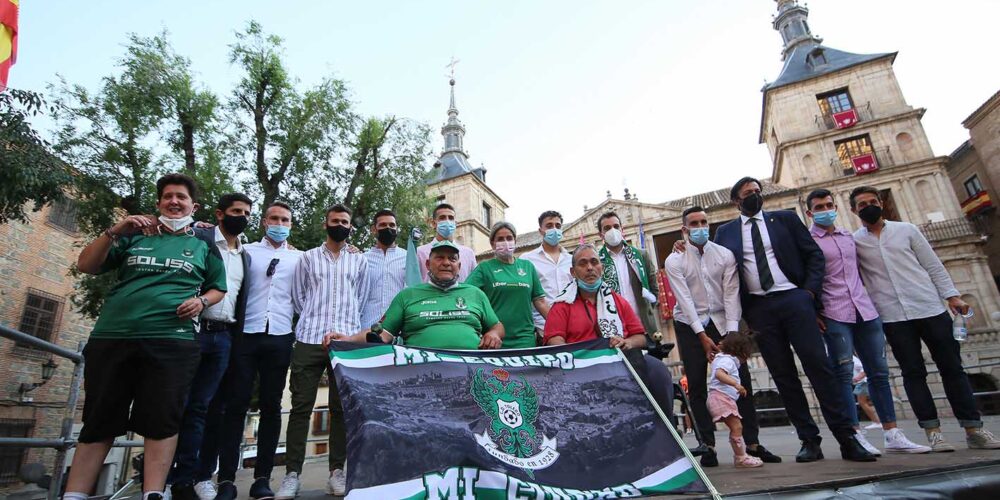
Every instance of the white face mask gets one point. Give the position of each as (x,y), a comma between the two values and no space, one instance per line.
(613,237)
(504,249)
(176,224)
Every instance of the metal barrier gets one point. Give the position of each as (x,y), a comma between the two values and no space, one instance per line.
(65,440)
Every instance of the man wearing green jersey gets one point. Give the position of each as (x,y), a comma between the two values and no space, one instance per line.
(142,352)
(442,313)
(513,288)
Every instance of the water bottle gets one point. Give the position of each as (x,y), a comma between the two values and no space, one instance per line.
(958,328)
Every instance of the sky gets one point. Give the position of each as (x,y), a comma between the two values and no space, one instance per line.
(562,100)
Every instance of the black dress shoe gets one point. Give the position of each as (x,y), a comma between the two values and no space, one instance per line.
(764,454)
(700,450)
(183,492)
(709,459)
(851,449)
(261,489)
(810,452)
(226,491)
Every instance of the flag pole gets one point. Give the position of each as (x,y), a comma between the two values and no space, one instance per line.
(673,432)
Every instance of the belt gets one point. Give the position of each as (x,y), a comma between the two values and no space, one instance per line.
(210,326)
(772,295)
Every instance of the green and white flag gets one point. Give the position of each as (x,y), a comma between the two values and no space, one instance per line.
(563,422)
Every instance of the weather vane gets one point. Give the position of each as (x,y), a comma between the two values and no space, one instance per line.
(451,67)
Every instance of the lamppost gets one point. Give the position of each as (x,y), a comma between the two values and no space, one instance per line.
(48,370)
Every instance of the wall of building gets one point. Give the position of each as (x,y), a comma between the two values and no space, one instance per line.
(468,194)
(37,257)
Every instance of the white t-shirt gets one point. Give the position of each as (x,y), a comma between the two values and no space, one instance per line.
(729,364)
(858,368)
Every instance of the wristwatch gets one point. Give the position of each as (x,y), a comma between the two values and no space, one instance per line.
(204,302)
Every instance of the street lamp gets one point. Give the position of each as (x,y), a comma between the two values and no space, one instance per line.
(48,370)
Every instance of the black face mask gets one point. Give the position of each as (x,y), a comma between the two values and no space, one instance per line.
(234,224)
(338,233)
(752,204)
(387,236)
(870,214)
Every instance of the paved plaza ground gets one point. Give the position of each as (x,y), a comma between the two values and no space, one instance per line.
(782,441)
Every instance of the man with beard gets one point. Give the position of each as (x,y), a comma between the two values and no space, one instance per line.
(219,325)
(328,291)
(781,279)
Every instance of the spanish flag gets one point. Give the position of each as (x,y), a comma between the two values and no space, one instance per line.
(8,38)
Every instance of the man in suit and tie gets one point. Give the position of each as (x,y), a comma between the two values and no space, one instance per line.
(219,326)
(781,278)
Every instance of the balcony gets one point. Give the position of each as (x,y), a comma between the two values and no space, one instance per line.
(977,204)
(952,229)
(826,122)
(882,156)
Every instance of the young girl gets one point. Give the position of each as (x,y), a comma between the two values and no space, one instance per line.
(724,389)
(861,393)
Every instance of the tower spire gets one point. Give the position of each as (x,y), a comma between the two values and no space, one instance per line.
(791,23)
(453,131)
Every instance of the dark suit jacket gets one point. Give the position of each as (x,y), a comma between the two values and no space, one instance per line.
(208,236)
(798,255)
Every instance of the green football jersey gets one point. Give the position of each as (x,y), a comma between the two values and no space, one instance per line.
(510,288)
(427,316)
(156,274)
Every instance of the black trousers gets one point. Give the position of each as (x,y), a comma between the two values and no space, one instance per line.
(696,369)
(787,320)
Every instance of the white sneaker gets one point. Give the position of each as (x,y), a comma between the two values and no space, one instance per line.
(205,490)
(337,484)
(873,425)
(870,448)
(982,439)
(938,444)
(167,495)
(289,487)
(896,442)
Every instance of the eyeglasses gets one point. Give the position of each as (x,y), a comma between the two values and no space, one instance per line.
(271,267)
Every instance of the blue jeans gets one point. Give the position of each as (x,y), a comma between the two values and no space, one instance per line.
(215,347)
(867,339)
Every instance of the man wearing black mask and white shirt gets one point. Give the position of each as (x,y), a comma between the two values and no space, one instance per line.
(386,268)
(328,291)
(909,286)
(219,326)
(262,354)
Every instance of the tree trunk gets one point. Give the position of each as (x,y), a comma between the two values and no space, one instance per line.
(187,143)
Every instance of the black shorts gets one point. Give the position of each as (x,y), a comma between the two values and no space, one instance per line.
(136,385)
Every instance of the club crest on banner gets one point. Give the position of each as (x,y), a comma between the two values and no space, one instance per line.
(512,406)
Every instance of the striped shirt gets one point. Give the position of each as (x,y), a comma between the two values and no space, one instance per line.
(327,292)
(386,277)
(844,296)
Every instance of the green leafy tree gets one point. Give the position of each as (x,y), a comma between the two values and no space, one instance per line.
(29,173)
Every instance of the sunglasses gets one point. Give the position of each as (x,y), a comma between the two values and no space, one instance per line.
(272,266)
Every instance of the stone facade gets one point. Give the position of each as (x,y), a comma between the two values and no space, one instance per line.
(974,169)
(477,208)
(34,260)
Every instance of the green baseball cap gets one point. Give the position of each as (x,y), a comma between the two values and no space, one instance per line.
(444,244)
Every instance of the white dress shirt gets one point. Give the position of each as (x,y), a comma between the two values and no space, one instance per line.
(554,275)
(750,276)
(624,277)
(466,256)
(386,277)
(904,277)
(269,299)
(706,286)
(327,292)
(224,311)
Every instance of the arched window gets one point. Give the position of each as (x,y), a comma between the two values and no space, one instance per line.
(904,142)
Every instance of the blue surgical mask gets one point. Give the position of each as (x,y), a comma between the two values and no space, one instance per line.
(446,228)
(590,288)
(278,232)
(698,235)
(825,219)
(553,236)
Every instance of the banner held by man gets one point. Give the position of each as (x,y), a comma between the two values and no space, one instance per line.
(568,421)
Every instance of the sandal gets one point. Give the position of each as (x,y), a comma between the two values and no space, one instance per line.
(747,462)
